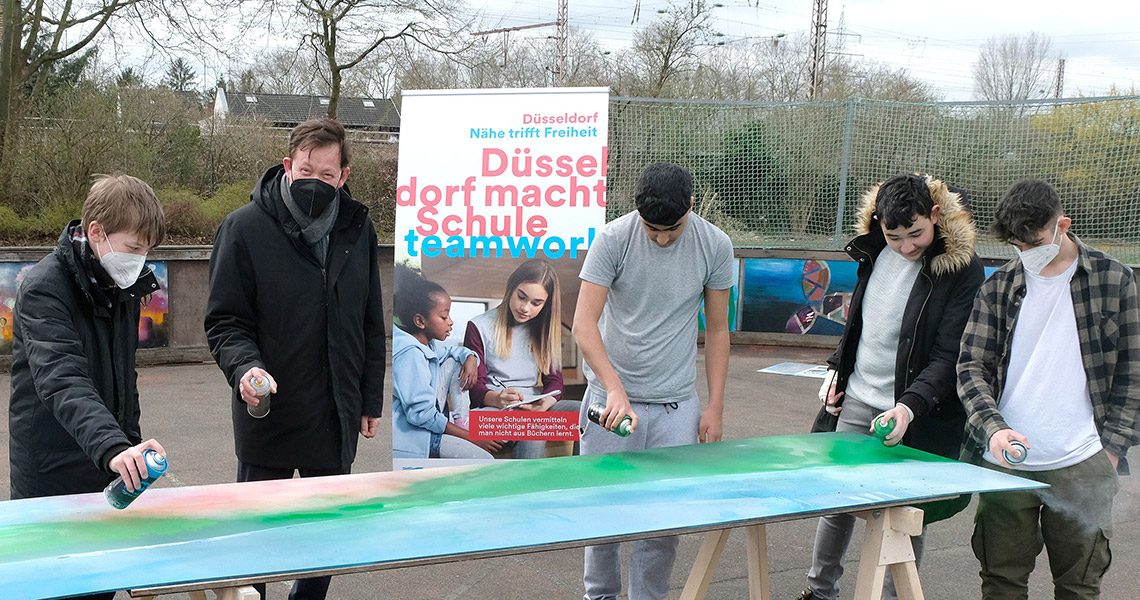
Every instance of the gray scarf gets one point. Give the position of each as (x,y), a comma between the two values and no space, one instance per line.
(314,230)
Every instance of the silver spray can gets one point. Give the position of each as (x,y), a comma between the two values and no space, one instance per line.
(261,387)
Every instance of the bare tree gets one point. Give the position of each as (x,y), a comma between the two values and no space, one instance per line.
(672,45)
(769,69)
(286,71)
(1014,68)
(346,32)
(509,60)
(874,81)
(374,77)
(334,37)
(587,59)
(38,35)
(782,77)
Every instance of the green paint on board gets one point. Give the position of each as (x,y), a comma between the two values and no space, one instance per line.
(493,480)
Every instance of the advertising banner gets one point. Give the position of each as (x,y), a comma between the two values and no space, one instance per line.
(500,194)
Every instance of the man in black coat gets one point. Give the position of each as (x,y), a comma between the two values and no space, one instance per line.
(295,301)
(897,359)
(73,416)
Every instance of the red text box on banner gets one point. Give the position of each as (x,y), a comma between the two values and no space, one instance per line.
(524,425)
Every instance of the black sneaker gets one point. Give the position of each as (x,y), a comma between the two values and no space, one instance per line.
(807,594)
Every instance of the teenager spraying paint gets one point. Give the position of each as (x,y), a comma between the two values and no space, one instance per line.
(1050,361)
(73,415)
(894,365)
(636,322)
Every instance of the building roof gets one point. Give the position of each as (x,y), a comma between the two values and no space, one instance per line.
(288,110)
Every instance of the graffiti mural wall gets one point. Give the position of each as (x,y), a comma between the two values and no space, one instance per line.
(154,330)
(781,295)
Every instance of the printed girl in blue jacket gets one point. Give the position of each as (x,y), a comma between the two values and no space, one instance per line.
(420,428)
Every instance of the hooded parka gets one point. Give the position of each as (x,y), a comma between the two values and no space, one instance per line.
(932,322)
(74,402)
(318,330)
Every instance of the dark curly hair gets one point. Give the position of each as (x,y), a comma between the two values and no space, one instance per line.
(901,200)
(413,295)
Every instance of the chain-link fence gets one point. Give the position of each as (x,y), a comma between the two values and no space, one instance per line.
(790,175)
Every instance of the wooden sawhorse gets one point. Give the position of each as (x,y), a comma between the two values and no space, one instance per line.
(245,592)
(886,544)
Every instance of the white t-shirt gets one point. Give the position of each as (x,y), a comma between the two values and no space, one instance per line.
(1046,396)
(888,291)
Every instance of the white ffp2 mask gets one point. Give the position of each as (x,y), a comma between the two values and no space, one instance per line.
(124,268)
(1036,259)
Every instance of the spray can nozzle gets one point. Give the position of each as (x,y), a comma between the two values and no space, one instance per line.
(1018,455)
(884,428)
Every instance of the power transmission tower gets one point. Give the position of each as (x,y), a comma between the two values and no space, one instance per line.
(817,49)
(841,34)
(561,73)
(1060,89)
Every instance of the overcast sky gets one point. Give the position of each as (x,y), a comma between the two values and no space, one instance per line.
(937,41)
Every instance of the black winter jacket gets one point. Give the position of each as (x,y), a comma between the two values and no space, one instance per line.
(318,331)
(932,323)
(74,398)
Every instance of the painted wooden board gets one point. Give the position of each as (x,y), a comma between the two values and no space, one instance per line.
(54,547)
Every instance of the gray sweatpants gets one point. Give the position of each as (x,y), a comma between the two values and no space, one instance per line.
(651,562)
(834,531)
(537,448)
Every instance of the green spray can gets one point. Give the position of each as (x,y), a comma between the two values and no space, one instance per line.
(594,413)
(883,428)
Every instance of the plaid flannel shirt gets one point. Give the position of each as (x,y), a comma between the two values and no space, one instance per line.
(1108,325)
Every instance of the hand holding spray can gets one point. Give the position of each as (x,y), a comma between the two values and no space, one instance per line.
(117,493)
(262,388)
(883,428)
(1020,452)
(594,413)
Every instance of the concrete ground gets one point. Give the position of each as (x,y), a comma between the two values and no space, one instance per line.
(186,409)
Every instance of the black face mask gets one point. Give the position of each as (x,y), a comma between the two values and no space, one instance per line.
(312,195)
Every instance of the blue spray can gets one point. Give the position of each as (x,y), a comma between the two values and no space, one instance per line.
(1019,457)
(116,492)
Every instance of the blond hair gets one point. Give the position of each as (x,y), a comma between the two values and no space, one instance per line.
(121,203)
(545,328)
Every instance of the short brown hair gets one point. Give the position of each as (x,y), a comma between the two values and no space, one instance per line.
(1026,208)
(319,133)
(124,203)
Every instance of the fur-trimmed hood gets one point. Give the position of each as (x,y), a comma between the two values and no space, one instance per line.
(953,246)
